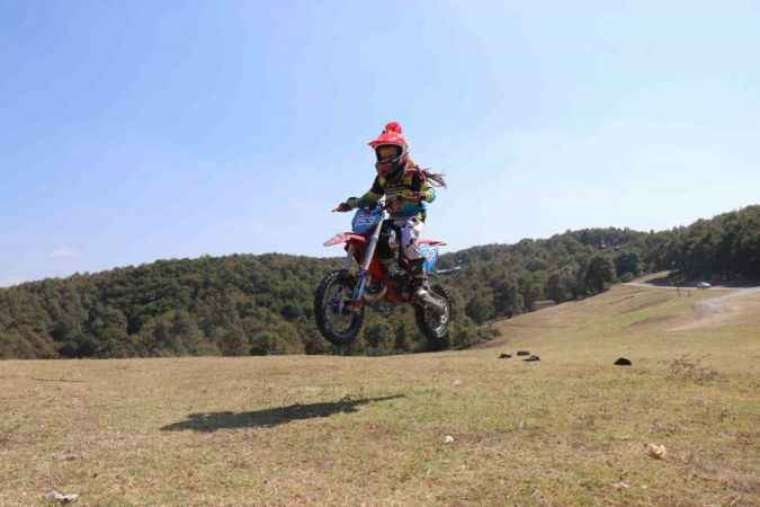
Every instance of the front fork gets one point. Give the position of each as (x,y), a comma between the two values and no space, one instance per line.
(369,253)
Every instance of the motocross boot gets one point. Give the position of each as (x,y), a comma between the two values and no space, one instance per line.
(421,287)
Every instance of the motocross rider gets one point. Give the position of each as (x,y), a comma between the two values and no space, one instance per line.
(407,188)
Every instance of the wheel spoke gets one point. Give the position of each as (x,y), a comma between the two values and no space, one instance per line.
(339,319)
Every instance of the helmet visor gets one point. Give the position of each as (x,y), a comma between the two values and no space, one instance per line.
(387,152)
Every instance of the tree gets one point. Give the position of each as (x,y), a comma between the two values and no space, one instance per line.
(531,287)
(561,286)
(185,332)
(479,309)
(600,273)
(264,343)
(234,343)
(400,343)
(628,262)
(506,298)
(379,336)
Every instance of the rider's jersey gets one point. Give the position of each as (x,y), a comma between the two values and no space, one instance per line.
(399,194)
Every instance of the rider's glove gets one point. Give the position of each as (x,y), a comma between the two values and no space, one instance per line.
(343,207)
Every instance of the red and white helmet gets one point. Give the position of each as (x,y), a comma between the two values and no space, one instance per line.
(392,135)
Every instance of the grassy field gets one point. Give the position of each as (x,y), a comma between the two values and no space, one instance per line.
(454,428)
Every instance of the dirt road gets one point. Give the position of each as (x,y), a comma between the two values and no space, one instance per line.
(728,301)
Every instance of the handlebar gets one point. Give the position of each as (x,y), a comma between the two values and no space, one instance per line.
(383,204)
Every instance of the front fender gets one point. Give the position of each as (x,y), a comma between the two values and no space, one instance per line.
(345,237)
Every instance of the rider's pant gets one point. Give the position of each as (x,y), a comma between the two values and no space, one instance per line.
(410,229)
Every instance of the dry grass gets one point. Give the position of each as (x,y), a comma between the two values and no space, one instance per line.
(568,430)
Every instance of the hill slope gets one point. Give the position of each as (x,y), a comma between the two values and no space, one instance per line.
(570,429)
(247,304)
(258,305)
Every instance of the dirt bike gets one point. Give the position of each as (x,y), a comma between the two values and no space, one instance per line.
(343,294)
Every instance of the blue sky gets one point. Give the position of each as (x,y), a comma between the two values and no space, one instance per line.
(132,131)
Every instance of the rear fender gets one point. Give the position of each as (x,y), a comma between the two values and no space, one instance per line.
(431,242)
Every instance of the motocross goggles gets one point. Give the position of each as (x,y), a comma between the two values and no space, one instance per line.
(388,152)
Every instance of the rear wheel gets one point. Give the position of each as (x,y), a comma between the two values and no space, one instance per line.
(336,320)
(435,325)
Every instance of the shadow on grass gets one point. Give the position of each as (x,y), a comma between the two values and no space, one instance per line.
(270,417)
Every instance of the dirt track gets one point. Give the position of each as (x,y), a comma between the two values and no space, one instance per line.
(727,304)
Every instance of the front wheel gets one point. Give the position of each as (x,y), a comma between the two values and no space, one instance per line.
(433,325)
(336,320)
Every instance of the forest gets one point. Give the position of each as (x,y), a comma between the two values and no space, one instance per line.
(262,304)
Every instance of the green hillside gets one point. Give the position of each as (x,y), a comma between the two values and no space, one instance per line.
(257,305)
